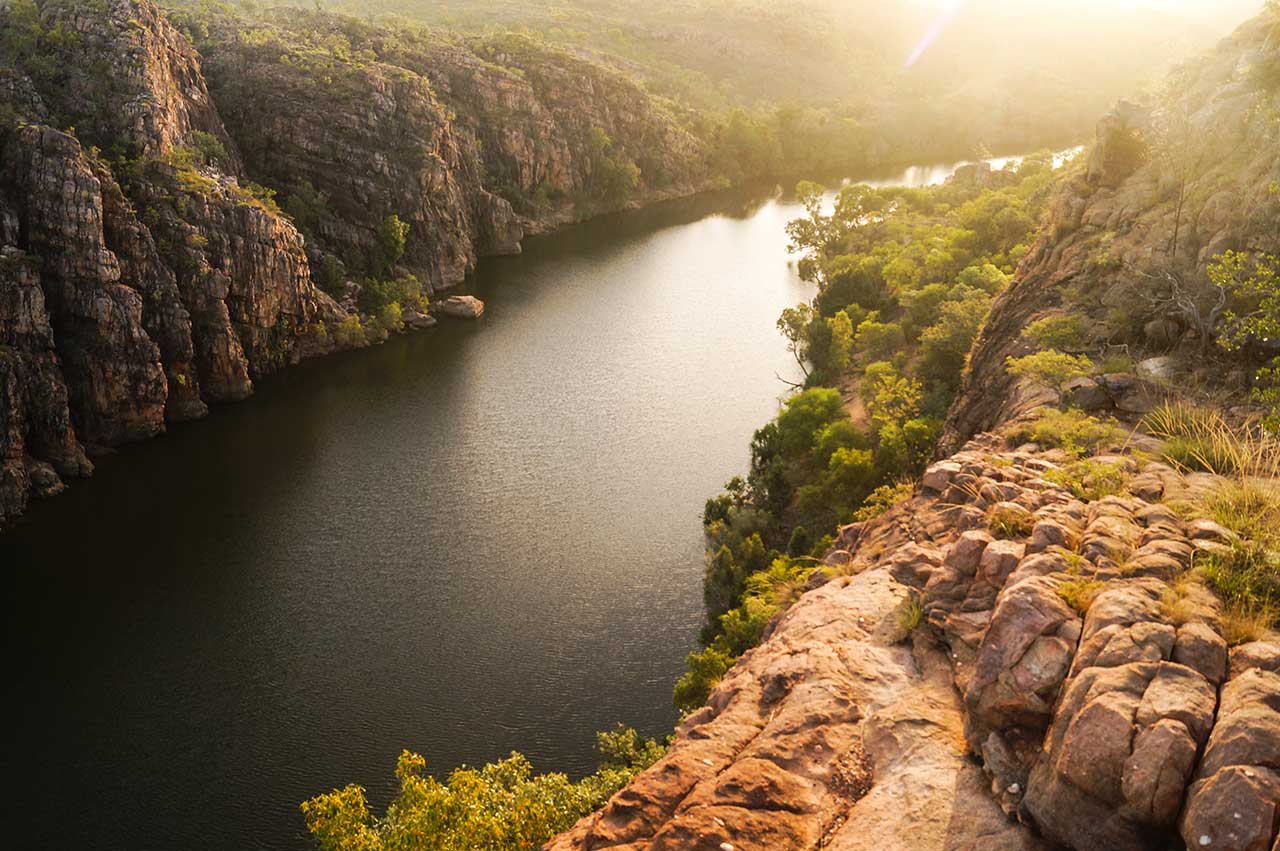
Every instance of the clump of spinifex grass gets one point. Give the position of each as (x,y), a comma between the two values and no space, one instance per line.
(1200,439)
(1245,572)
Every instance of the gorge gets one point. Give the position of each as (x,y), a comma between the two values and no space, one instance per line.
(543,470)
(994,567)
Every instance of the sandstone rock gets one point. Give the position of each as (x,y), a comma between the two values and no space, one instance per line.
(999,560)
(1087,395)
(938,477)
(966,553)
(460,307)
(1201,648)
(1234,803)
(1159,369)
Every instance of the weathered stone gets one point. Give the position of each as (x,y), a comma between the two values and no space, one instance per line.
(460,307)
(999,560)
(1199,647)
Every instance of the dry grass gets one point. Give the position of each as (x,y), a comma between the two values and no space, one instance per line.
(1080,593)
(1246,574)
(1007,523)
(1177,603)
(1200,439)
(910,616)
(1242,624)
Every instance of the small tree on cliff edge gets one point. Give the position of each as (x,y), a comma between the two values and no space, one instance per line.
(389,246)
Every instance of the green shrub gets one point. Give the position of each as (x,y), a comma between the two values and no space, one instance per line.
(1051,368)
(1064,333)
(209,148)
(884,499)
(1071,429)
(349,332)
(705,669)
(1091,480)
(503,805)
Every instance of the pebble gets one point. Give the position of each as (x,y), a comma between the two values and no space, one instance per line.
(726,846)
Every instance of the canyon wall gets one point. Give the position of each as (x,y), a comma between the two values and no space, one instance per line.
(148,269)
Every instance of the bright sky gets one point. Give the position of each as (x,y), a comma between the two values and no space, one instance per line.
(940,14)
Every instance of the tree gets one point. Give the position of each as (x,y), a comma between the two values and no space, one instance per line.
(794,325)
(806,414)
(1253,284)
(945,344)
(1050,367)
(840,351)
(389,245)
(613,175)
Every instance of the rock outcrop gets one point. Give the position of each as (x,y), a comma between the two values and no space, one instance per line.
(1070,689)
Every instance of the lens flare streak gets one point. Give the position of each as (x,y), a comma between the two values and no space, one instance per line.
(936,29)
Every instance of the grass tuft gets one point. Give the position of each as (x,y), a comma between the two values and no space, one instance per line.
(1080,593)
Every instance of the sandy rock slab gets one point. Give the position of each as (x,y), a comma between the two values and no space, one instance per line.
(832,734)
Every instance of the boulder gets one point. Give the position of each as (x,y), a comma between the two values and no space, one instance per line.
(460,307)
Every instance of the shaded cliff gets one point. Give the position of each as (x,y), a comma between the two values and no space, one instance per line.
(166,239)
(1042,646)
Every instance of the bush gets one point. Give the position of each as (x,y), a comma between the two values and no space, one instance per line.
(500,806)
(1091,480)
(349,332)
(209,149)
(884,499)
(706,668)
(389,245)
(1065,333)
(390,318)
(1051,368)
(376,295)
(1071,429)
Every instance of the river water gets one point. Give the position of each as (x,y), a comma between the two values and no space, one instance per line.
(476,539)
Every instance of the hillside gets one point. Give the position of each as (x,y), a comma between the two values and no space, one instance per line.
(1061,634)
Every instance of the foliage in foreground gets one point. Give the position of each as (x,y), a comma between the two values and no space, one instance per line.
(503,806)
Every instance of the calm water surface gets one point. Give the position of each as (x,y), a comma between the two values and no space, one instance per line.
(477,539)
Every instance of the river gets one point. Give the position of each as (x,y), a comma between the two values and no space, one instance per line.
(476,539)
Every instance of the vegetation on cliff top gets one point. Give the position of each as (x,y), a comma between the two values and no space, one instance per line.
(905,279)
(500,807)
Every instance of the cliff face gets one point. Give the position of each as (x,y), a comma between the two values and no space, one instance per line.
(146,273)
(1068,687)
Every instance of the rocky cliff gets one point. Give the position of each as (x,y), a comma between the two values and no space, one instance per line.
(1023,655)
(1167,187)
(148,268)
